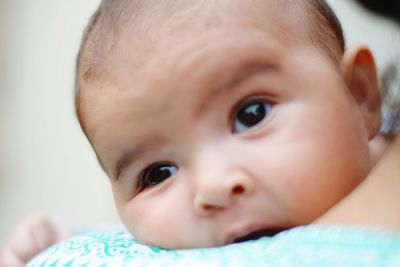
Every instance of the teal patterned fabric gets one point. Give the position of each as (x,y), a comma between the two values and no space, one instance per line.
(301,246)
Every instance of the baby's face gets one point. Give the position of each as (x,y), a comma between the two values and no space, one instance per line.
(223,133)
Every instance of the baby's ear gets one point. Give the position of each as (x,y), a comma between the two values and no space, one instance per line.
(359,71)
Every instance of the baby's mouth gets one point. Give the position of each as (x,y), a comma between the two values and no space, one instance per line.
(258,234)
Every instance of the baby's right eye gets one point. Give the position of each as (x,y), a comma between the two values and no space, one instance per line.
(156,174)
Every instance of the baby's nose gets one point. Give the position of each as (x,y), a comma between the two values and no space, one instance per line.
(215,193)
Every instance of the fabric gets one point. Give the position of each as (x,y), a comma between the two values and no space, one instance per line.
(301,246)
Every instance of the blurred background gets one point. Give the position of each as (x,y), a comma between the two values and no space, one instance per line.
(46,164)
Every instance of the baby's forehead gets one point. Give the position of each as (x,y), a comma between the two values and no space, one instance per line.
(134,50)
(121,30)
(145,39)
(144,24)
(187,43)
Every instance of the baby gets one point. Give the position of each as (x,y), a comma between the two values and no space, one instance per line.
(224,121)
(219,127)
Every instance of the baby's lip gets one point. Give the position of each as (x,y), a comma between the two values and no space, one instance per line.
(253,233)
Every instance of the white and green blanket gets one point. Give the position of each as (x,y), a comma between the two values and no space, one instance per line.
(301,246)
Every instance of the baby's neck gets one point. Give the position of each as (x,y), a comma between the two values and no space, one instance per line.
(374,202)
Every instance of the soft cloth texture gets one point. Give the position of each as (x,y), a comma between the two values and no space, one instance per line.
(301,246)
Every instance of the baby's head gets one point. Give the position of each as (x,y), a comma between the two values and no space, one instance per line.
(220,121)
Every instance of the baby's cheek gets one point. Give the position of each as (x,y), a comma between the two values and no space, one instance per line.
(313,183)
(152,222)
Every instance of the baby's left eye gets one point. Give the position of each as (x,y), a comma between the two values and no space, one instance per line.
(156,174)
(250,114)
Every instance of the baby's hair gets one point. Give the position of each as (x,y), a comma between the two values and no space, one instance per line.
(326,31)
(114,17)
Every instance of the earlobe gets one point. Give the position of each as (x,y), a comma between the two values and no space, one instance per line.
(359,71)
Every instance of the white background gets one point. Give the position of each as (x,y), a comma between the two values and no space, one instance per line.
(46,164)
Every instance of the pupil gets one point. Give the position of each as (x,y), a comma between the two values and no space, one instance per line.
(157,175)
(252,114)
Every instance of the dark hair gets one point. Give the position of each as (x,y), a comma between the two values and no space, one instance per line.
(327,30)
(389,8)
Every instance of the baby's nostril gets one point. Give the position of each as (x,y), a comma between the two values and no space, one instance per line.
(238,189)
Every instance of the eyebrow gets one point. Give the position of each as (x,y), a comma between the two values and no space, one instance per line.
(133,154)
(243,73)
